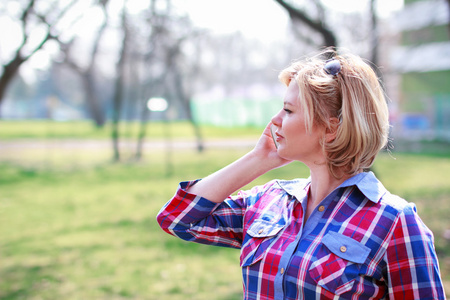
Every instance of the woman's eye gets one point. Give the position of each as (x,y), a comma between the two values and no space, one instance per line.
(288,111)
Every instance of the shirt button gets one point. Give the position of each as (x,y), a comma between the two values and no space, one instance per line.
(261,231)
(321,208)
(343,248)
(282,271)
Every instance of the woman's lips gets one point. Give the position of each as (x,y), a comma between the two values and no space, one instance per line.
(279,137)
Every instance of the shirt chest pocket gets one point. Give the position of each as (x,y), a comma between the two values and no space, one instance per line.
(338,262)
(257,239)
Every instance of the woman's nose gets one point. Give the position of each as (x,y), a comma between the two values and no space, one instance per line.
(276,120)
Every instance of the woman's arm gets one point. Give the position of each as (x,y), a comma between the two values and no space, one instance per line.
(412,264)
(198,211)
(219,185)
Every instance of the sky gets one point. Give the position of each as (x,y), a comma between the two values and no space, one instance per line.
(260,19)
(264,18)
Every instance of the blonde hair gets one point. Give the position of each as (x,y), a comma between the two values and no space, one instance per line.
(355,97)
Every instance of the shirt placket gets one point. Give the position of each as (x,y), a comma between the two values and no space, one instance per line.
(292,249)
(286,258)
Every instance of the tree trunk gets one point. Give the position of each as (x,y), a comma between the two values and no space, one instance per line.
(185,100)
(93,102)
(448,26)
(117,104)
(142,132)
(119,88)
(9,71)
(374,40)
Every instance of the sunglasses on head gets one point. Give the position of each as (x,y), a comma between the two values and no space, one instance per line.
(332,66)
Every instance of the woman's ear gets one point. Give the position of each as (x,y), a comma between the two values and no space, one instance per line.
(331,130)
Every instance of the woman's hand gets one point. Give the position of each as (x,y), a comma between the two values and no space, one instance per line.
(267,151)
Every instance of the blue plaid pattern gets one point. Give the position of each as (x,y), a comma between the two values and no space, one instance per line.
(361,242)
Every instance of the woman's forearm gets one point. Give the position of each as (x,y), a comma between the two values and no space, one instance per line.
(219,185)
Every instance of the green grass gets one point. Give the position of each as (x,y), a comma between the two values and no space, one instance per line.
(75,226)
(91,234)
(46,129)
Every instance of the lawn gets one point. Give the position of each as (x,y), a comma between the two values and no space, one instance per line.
(76,230)
(47,129)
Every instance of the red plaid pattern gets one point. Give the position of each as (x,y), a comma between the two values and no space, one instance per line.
(365,244)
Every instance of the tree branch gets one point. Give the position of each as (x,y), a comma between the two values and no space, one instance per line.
(318,26)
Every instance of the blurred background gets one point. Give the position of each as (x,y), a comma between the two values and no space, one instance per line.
(105,105)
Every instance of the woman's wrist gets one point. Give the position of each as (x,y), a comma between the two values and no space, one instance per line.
(266,161)
(219,185)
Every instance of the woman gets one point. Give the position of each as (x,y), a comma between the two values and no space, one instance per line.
(338,233)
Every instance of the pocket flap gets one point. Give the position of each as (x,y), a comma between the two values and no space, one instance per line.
(258,238)
(261,228)
(346,247)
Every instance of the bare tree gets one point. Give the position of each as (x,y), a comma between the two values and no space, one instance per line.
(119,85)
(87,72)
(165,67)
(182,94)
(318,25)
(29,18)
(374,34)
(448,26)
(184,97)
(156,22)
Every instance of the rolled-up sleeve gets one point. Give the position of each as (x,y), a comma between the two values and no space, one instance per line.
(194,218)
(413,268)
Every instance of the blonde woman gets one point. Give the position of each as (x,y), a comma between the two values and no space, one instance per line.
(338,233)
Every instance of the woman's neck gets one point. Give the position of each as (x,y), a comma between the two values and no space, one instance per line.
(322,184)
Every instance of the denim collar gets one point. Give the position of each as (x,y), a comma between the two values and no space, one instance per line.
(366,182)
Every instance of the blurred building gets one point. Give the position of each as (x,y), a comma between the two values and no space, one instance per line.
(423,61)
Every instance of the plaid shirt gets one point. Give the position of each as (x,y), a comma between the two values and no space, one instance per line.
(361,242)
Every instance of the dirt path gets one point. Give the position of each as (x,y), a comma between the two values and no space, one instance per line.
(105,144)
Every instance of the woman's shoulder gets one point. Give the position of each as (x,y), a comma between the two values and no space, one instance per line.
(397,204)
(374,190)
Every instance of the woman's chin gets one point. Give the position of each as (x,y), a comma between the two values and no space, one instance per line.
(281,152)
